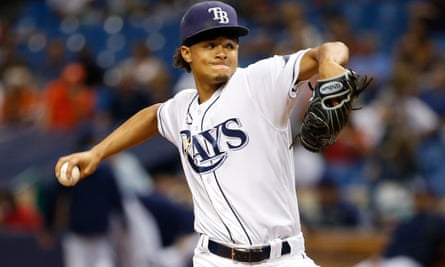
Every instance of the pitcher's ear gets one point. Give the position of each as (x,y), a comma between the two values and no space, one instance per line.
(186,54)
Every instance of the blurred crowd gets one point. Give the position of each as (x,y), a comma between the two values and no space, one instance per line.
(70,65)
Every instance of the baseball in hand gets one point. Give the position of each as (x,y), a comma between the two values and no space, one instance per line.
(66,179)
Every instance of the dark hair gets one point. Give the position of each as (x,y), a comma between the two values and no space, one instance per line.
(179,62)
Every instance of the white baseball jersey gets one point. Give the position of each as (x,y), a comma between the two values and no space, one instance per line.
(236,152)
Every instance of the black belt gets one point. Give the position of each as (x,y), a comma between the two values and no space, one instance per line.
(245,254)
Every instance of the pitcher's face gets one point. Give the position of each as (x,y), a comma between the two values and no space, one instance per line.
(213,61)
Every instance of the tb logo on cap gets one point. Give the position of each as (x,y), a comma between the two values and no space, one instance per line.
(219,14)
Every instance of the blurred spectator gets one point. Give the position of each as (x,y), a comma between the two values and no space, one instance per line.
(56,57)
(142,78)
(71,8)
(390,203)
(421,236)
(433,92)
(94,79)
(16,216)
(333,210)
(147,72)
(404,121)
(263,35)
(20,103)
(126,100)
(418,240)
(346,158)
(432,12)
(93,72)
(68,101)
(416,48)
(10,55)
(365,54)
(83,216)
(338,28)
(297,32)
(431,153)
(395,159)
(369,58)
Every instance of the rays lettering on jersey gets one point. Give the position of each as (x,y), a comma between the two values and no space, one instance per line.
(208,149)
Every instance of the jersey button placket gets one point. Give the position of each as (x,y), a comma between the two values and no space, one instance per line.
(196,126)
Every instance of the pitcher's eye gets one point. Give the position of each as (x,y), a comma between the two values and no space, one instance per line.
(230,46)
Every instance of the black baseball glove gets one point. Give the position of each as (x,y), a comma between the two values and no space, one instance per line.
(329,109)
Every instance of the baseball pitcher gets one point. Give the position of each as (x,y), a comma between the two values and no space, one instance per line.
(234,137)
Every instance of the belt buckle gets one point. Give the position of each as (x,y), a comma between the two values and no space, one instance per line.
(233,254)
(241,256)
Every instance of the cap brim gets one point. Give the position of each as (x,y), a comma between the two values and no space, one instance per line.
(208,34)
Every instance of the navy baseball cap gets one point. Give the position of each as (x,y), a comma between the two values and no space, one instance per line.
(209,19)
